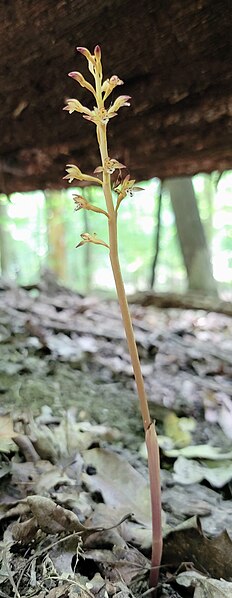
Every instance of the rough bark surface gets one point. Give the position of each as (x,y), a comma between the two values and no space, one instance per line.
(174,58)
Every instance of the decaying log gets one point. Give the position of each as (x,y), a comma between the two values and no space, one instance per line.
(175,60)
(186,301)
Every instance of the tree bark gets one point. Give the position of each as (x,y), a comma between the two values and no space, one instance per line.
(191,236)
(5,257)
(174,57)
(156,237)
(56,235)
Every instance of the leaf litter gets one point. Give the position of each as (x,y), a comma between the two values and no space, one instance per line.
(74,496)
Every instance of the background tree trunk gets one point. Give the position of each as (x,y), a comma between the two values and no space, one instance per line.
(191,236)
(156,236)
(56,234)
(5,254)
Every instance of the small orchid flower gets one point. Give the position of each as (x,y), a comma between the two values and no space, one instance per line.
(87,238)
(119,102)
(127,187)
(110,165)
(110,84)
(75,173)
(100,116)
(86,53)
(74,105)
(81,202)
(94,60)
(82,81)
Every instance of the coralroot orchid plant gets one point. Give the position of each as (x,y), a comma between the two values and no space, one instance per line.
(100,116)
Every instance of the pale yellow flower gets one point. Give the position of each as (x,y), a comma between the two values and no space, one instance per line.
(87,238)
(94,60)
(119,102)
(75,173)
(100,116)
(82,81)
(110,84)
(74,105)
(110,165)
(127,187)
(81,202)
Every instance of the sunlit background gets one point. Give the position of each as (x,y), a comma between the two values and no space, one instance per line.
(40,230)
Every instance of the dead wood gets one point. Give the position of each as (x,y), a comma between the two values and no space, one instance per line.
(174,58)
(186,301)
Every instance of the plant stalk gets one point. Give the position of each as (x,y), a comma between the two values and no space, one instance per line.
(149,428)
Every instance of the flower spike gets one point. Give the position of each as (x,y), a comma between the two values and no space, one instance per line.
(100,116)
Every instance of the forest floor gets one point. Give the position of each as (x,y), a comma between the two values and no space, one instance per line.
(73,456)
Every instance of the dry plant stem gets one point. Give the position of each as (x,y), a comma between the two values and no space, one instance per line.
(149,428)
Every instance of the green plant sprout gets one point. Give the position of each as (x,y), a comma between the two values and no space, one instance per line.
(100,116)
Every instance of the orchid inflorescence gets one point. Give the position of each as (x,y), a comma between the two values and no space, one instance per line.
(100,116)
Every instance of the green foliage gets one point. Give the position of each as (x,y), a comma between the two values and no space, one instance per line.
(26,226)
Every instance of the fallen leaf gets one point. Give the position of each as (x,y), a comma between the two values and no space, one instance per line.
(189,500)
(68,437)
(201,451)
(205,586)
(187,543)
(39,477)
(122,563)
(179,429)
(187,471)
(119,483)
(7,434)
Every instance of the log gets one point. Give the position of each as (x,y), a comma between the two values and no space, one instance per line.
(175,60)
(185,301)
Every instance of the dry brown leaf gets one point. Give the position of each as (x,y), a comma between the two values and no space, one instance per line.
(25,532)
(7,434)
(205,586)
(39,477)
(119,483)
(52,518)
(187,543)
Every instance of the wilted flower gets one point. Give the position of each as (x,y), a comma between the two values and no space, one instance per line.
(110,165)
(87,238)
(75,173)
